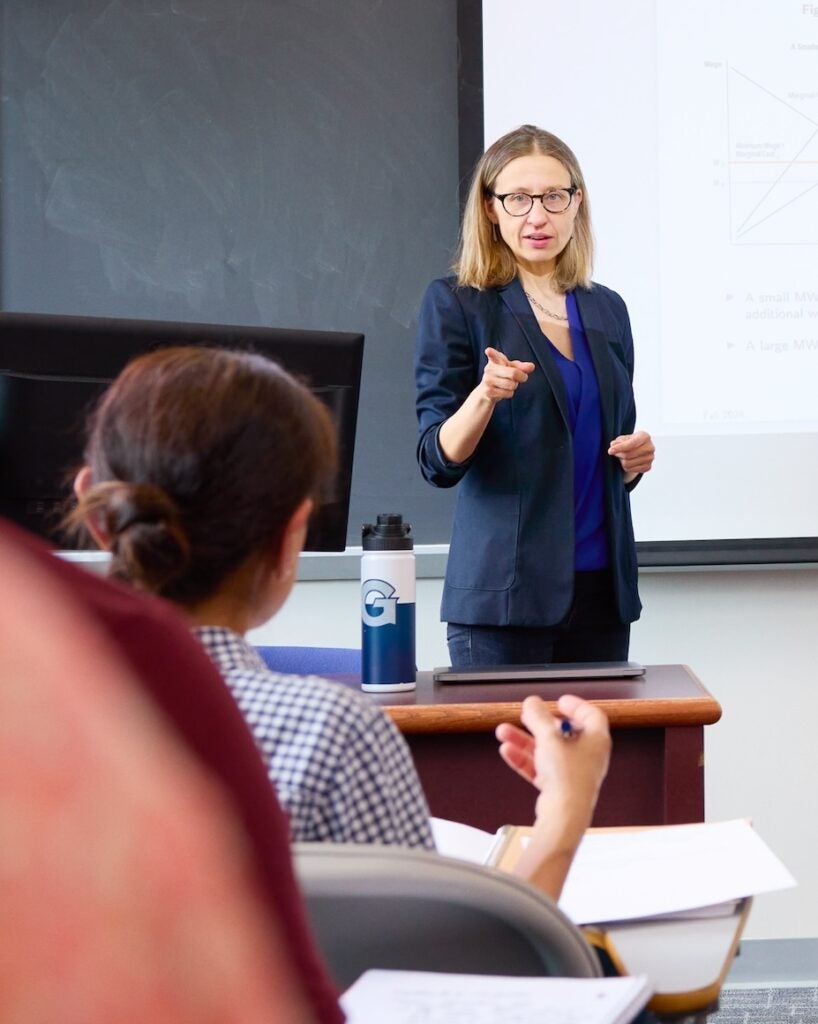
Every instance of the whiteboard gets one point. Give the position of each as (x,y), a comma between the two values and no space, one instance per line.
(696,125)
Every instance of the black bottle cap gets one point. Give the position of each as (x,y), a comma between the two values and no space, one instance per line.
(390,533)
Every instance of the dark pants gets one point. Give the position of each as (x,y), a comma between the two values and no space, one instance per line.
(590,632)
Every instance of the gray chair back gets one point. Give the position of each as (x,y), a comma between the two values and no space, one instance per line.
(406,909)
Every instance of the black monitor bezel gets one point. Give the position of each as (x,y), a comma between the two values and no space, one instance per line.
(54,345)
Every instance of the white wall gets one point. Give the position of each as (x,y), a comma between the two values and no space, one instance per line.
(751,637)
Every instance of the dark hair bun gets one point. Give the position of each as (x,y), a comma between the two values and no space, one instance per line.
(149,546)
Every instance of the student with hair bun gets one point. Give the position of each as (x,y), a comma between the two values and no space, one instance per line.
(201,467)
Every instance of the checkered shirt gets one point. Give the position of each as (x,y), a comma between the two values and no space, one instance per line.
(341,769)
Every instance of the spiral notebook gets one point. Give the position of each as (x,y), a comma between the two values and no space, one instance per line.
(407,997)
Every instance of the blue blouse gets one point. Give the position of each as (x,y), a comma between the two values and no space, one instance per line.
(585,412)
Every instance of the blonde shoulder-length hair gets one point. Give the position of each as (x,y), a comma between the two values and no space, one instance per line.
(485,261)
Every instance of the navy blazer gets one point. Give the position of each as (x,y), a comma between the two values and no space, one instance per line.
(511,558)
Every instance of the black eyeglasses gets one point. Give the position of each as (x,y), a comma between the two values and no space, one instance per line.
(518,204)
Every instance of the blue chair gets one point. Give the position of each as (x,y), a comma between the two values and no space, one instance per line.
(315,661)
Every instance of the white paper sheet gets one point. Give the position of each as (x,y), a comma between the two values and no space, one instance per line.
(619,876)
(416,997)
(465,842)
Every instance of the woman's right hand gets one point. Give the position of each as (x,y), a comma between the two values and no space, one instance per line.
(461,433)
(502,376)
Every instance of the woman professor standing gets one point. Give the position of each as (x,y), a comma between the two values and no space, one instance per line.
(524,373)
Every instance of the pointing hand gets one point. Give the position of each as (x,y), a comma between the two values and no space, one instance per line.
(502,376)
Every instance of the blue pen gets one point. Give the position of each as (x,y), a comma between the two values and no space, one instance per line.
(567,730)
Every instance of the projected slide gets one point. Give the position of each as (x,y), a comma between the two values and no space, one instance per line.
(738,152)
(696,124)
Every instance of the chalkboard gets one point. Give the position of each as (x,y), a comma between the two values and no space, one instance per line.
(268,163)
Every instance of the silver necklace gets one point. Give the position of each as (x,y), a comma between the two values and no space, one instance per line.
(542,309)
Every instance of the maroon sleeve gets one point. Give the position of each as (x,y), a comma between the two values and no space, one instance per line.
(181,681)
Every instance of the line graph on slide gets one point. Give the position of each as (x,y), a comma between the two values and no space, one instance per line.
(772,164)
(737,175)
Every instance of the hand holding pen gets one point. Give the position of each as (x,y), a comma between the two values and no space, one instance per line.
(566,758)
(540,754)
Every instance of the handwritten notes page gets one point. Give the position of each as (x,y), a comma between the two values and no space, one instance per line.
(417,997)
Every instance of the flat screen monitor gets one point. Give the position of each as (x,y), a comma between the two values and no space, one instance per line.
(54,368)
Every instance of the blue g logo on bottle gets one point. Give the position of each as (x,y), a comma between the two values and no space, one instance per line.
(388,634)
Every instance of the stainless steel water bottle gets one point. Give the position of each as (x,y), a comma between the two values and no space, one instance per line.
(388,605)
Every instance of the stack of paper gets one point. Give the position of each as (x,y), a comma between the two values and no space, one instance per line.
(625,874)
(669,902)
(408,997)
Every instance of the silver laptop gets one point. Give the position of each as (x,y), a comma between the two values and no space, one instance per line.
(540,673)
